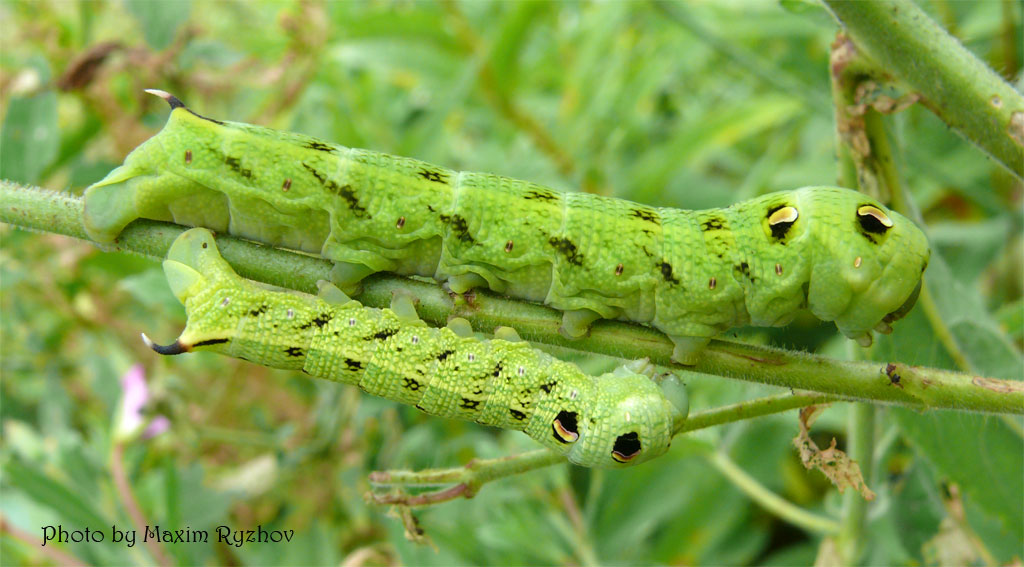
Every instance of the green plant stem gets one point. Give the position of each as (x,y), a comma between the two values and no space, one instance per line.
(894,383)
(768,499)
(959,88)
(749,409)
(860,447)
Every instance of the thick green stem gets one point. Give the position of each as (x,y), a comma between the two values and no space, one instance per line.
(861,443)
(894,383)
(959,88)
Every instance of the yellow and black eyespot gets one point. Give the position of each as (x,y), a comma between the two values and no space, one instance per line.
(627,447)
(781,219)
(565,427)
(873,220)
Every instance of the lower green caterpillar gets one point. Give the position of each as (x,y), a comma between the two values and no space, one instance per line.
(690,274)
(613,420)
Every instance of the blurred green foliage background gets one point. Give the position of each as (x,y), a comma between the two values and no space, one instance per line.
(682,104)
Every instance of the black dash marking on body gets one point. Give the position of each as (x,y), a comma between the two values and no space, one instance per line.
(444,354)
(568,249)
(235,164)
(431,175)
(516,414)
(459,226)
(648,216)
(411,384)
(320,320)
(381,335)
(498,368)
(319,146)
(540,195)
(666,272)
(343,191)
(294,351)
(352,364)
(744,268)
(209,342)
(467,403)
(259,310)
(546,388)
(713,223)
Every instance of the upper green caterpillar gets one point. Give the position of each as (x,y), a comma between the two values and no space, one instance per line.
(617,419)
(691,274)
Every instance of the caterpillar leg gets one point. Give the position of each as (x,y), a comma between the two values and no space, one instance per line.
(507,334)
(331,294)
(687,350)
(461,327)
(675,392)
(576,323)
(348,277)
(403,304)
(465,282)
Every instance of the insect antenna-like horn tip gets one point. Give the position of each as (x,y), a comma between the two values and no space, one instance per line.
(174,348)
(172,100)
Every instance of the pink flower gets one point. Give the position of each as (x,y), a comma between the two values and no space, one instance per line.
(134,396)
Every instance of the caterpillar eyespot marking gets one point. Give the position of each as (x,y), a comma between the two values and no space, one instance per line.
(342,204)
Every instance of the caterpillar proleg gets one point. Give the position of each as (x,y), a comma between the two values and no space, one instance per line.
(617,419)
(690,274)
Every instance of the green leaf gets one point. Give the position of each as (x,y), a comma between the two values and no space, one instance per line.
(160,19)
(29,138)
(43,488)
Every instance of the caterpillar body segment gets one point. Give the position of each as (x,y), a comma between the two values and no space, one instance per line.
(690,274)
(621,418)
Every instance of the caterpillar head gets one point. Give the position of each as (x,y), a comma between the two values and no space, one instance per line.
(866,263)
(628,421)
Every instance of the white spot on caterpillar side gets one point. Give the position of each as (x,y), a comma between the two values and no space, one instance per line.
(352,322)
(573,394)
(521,371)
(628,417)
(290,314)
(415,340)
(225,302)
(471,357)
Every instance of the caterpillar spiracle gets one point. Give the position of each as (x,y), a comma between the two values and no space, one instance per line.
(617,419)
(690,273)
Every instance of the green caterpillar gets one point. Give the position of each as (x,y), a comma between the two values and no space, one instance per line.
(617,419)
(690,274)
